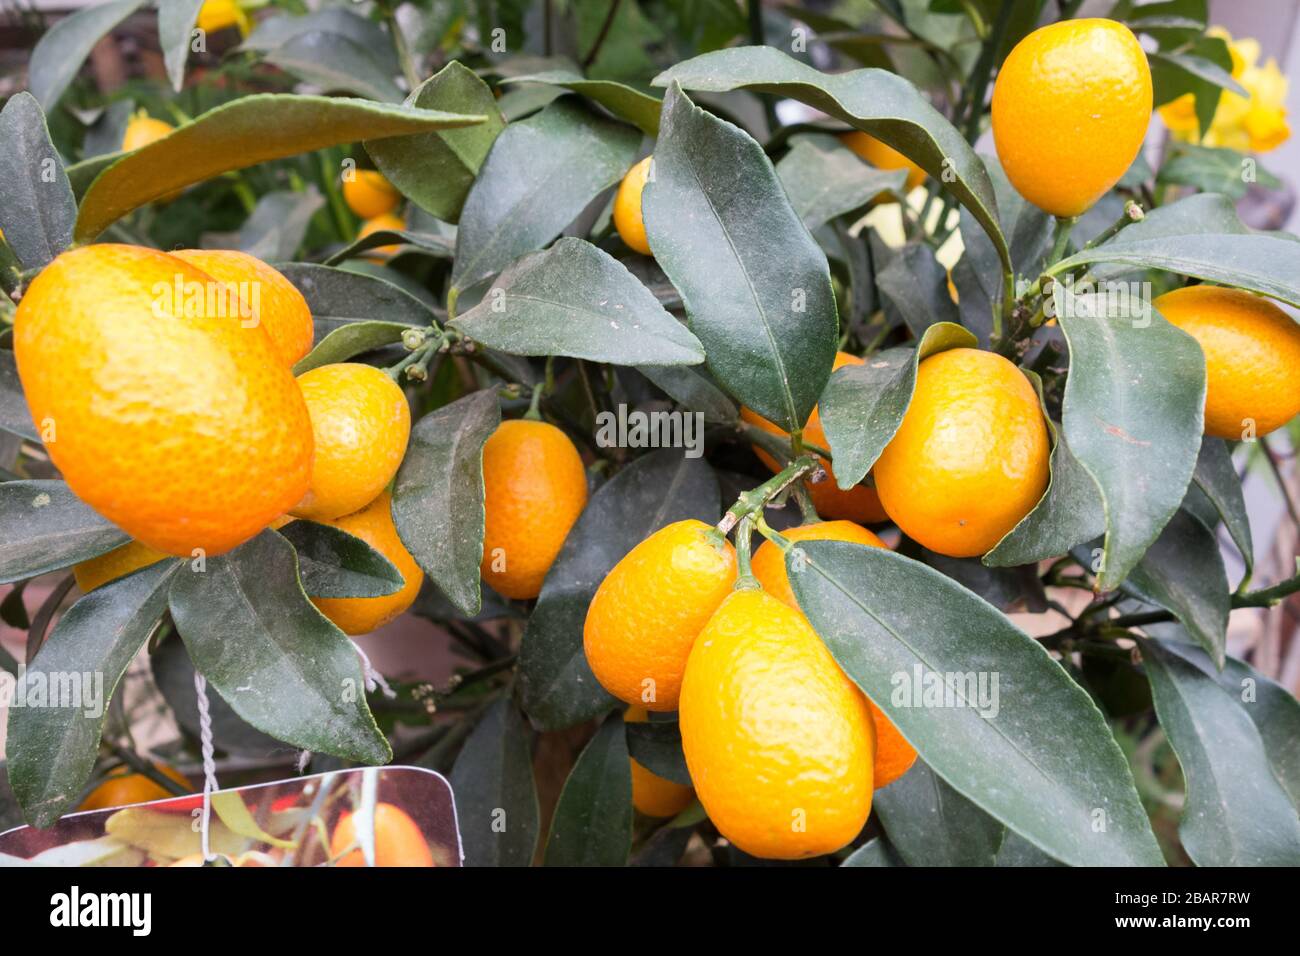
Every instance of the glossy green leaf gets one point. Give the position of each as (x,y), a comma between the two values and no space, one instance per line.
(639,109)
(863,405)
(1132,415)
(574,299)
(38,210)
(557,686)
(496,797)
(693,389)
(1216,476)
(1017,851)
(334,564)
(916,285)
(239,134)
(44,527)
(1191,62)
(176,19)
(756,285)
(338,297)
(825,181)
(53,738)
(296,677)
(592,825)
(895,625)
(1236,814)
(931,824)
(435,170)
(60,52)
(15,416)
(657,746)
(335,64)
(542,172)
(875,101)
(82,174)
(438,495)
(352,339)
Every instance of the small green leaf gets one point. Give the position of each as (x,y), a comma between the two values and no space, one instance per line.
(439,247)
(756,285)
(639,109)
(542,172)
(826,181)
(352,339)
(863,405)
(176,19)
(239,134)
(916,285)
(438,495)
(931,824)
(496,796)
(1132,415)
(657,746)
(1214,170)
(693,389)
(592,825)
(52,743)
(574,299)
(335,564)
(38,210)
(1236,814)
(436,170)
(59,53)
(296,676)
(335,64)
(891,622)
(15,416)
(44,527)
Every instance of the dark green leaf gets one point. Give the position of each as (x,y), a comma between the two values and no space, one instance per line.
(435,170)
(335,564)
(15,417)
(239,134)
(276,31)
(917,286)
(350,340)
(1216,476)
(1199,65)
(1203,69)
(439,247)
(863,405)
(44,527)
(827,181)
(657,746)
(876,101)
(931,824)
(52,743)
(1237,814)
(496,797)
(639,109)
(296,676)
(542,172)
(337,297)
(438,495)
(875,852)
(693,389)
(335,64)
(278,223)
(895,625)
(756,286)
(176,19)
(38,210)
(1132,415)
(557,685)
(574,299)
(58,55)
(592,825)
(1017,851)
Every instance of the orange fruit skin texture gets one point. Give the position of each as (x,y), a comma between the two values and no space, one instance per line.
(123,788)
(627,208)
(373,524)
(281,309)
(398,840)
(369,194)
(534,488)
(143,130)
(860,503)
(970,457)
(894,755)
(121,561)
(1071,106)
(779,743)
(185,431)
(649,609)
(652,794)
(384,221)
(361,422)
(1252,356)
(883,157)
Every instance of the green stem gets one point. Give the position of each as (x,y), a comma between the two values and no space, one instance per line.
(756,499)
(1061,237)
(745,579)
(1132,213)
(452,295)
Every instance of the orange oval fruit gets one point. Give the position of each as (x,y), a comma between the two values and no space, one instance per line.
(647,612)
(398,840)
(386,221)
(627,208)
(181,427)
(361,422)
(269,299)
(778,741)
(970,458)
(1252,357)
(121,561)
(894,755)
(534,488)
(123,787)
(373,524)
(653,795)
(1071,106)
(859,503)
(369,194)
(142,129)
(882,156)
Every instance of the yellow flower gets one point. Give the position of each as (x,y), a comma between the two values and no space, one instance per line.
(217,15)
(1256,123)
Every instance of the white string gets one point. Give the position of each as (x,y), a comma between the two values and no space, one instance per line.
(303,758)
(209,764)
(374,679)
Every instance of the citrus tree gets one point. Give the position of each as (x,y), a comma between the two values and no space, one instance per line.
(596,334)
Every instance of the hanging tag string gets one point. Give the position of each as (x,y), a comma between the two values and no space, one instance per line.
(374,679)
(209,764)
